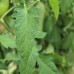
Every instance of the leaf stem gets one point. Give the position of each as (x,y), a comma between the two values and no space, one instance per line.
(7,12)
(5,25)
(33,4)
(2,20)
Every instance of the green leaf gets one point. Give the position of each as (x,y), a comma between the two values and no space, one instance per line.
(55,7)
(59,59)
(65,5)
(48,25)
(26,32)
(70,58)
(14,57)
(41,14)
(53,32)
(7,41)
(46,65)
(49,49)
(3,72)
(2,65)
(68,42)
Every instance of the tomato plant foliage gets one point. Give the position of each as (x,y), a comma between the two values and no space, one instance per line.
(37,37)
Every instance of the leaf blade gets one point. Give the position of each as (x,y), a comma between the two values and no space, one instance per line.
(55,7)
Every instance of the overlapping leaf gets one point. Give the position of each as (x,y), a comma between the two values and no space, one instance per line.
(55,7)
(7,41)
(46,66)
